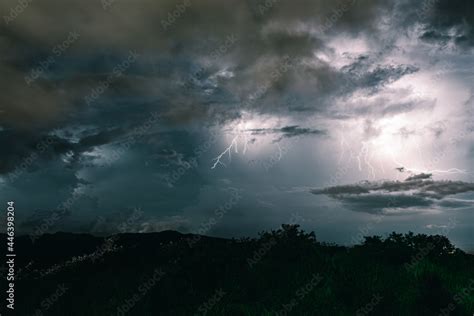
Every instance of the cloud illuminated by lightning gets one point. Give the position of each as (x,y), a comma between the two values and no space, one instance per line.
(242,130)
(241,134)
(364,155)
(379,147)
(233,144)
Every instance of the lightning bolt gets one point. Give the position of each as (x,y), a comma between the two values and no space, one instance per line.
(228,151)
(279,151)
(433,171)
(364,156)
(437,171)
(381,165)
(342,143)
(234,144)
(367,157)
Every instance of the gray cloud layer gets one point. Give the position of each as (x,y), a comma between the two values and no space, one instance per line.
(200,65)
(262,36)
(415,191)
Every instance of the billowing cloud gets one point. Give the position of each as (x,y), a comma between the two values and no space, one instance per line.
(223,50)
(417,192)
(313,90)
(288,132)
(448,21)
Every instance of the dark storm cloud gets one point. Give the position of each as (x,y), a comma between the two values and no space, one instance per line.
(416,191)
(26,151)
(420,184)
(197,31)
(362,73)
(197,68)
(105,187)
(28,148)
(101,138)
(294,130)
(288,131)
(170,48)
(421,176)
(448,20)
(170,51)
(383,75)
(29,106)
(387,104)
(435,37)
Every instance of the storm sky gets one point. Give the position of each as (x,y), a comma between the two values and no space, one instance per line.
(229,117)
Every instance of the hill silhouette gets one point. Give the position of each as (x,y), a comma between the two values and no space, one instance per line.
(282,272)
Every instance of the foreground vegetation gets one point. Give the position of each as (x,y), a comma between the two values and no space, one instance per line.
(283,272)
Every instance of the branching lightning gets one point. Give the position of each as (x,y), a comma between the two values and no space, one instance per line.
(279,151)
(364,159)
(432,171)
(233,144)
(364,156)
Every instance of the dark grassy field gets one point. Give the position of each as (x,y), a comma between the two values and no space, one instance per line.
(283,272)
